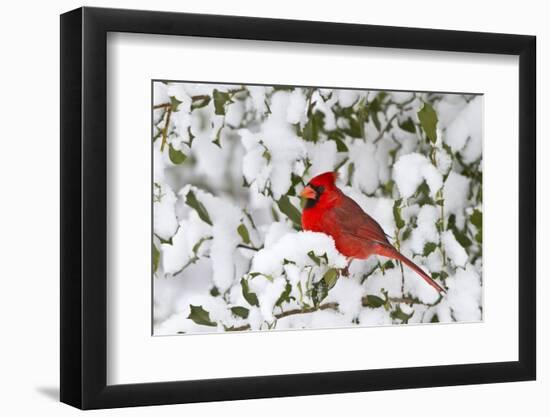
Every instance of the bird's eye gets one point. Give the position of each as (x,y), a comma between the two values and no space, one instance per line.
(320,189)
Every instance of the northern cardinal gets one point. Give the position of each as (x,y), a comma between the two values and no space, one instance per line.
(356,234)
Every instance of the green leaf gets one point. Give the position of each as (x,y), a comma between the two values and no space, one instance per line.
(217,139)
(461,238)
(408,126)
(220,99)
(191,136)
(400,315)
(429,248)
(388,265)
(174,103)
(479,236)
(285,295)
(477,219)
(374,301)
(340,145)
(200,316)
(399,222)
(314,127)
(176,156)
(314,257)
(197,245)
(428,120)
(200,101)
(243,233)
(330,277)
(156,258)
(241,312)
(248,295)
(192,202)
(319,292)
(289,210)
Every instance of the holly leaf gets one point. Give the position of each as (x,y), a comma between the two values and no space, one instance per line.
(285,295)
(174,103)
(200,316)
(428,120)
(399,222)
(220,99)
(176,156)
(289,210)
(408,126)
(401,315)
(374,301)
(314,258)
(200,101)
(243,233)
(477,219)
(191,201)
(250,297)
(330,277)
(429,248)
(156,258)
(241,312)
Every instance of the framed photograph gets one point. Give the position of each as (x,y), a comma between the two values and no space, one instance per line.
(258,208)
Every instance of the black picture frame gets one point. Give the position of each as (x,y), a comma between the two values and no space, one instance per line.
(84,207)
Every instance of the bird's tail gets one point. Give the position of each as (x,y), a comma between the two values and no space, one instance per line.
(391,252)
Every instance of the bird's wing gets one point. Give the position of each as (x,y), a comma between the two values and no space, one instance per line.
(355,222)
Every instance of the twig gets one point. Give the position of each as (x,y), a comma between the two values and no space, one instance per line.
(248,247)
(165,130)
(383,131)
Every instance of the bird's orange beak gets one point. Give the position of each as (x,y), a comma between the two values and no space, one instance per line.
(308,193)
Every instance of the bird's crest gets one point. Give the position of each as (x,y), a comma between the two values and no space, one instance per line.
(324,179)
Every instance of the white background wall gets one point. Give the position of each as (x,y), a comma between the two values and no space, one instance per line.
(29,174)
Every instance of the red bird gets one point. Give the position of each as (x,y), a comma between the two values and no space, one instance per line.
(356,234)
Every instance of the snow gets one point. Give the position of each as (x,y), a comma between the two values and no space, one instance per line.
(409,172)
(226,218)
(165,222)
(455,193)
(322,156)
(347,98)
(426,230)
(276,231)
(365,164)
(296,111)
(191,231)
(453,249)
(282,145)
(464,296)
(348,294)
(295,247)
(465,132)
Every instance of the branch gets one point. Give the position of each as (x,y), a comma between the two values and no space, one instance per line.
(334,306)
